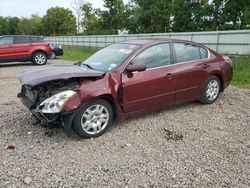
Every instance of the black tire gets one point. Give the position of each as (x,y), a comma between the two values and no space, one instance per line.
(39,58)
(79,119)
(207,98)
(53,55)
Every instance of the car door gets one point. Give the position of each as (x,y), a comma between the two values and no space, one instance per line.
(22,46)
(6,47)
(152,88)
(190,70)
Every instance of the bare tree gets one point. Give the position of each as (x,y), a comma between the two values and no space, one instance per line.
(76,5)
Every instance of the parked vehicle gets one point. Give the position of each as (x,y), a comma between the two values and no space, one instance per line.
(24,48)
(56,50)
(122,80)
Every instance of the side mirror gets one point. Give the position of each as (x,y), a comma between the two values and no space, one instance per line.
(136,68)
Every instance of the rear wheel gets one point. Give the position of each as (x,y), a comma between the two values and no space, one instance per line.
(39,58)
(93,119)
(53,55)
(211,90)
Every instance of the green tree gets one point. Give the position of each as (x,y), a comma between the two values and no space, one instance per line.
(25,26)
(4,26)
(59,21)
(91,21)
(182,20)
(192,15)
(36,24)
(113,17)
(234,13)
(13,25)
(246,19)
(155,16)
(132,14)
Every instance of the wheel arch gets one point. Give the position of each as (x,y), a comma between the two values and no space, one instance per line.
(110,99)
(217,74)
(39,50)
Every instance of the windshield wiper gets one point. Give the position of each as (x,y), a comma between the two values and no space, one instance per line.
(87,65)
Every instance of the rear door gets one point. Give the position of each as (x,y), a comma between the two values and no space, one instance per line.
(22,46)
(152,88)
(191,70)
(6,47)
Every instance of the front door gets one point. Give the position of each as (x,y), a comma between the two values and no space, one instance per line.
(6,47)
(152,88)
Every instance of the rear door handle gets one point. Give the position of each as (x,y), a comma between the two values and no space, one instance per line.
(169,75)
(206,66)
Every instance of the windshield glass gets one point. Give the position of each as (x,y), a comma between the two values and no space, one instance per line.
(111,57)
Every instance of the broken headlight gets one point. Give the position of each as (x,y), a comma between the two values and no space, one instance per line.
(56,103)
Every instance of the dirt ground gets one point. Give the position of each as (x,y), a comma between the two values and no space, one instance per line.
(189,145)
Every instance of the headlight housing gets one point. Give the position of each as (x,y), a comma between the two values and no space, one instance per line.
(56,103)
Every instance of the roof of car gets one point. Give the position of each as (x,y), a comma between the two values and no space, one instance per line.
(145,41)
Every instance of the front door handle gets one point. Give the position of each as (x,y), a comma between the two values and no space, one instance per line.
(206,66)
(169,75)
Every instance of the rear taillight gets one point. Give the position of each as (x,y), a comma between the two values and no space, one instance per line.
(228,60)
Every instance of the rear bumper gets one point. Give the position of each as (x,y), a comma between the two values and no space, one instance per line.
(228,77)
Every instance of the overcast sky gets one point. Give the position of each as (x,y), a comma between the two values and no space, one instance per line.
(24,8)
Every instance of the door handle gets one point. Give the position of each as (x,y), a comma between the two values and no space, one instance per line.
(206,66)
(169,75)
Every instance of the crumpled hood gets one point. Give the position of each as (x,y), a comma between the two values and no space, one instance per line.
(55,72)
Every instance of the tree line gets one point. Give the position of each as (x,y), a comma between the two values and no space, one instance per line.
(136,16)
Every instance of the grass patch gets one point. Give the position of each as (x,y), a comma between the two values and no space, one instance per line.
(77,53)
(241,72)
(241,64)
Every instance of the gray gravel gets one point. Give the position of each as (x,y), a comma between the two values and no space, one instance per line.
(190,145)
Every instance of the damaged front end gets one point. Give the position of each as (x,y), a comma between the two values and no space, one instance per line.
(52,103)
(52,93)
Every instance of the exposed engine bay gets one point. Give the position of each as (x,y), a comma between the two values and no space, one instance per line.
(32,97)
(36,95)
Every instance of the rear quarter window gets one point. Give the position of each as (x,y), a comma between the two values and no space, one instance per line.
(37,39)
(203,52)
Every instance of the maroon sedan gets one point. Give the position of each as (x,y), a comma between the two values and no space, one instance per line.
(122,80)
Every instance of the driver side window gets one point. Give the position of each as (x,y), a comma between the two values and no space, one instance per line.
(155,56)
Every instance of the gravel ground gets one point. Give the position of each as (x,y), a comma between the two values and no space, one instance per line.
(190,145)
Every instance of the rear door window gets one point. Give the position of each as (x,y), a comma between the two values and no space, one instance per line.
(186,52)
(7,40)
(22,39)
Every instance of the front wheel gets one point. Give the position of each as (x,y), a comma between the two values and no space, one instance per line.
(211,90)
(93,119)
(39,58)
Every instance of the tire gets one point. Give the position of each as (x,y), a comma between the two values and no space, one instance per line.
(53,55)
(39,58)
(211,90)
(89,122)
